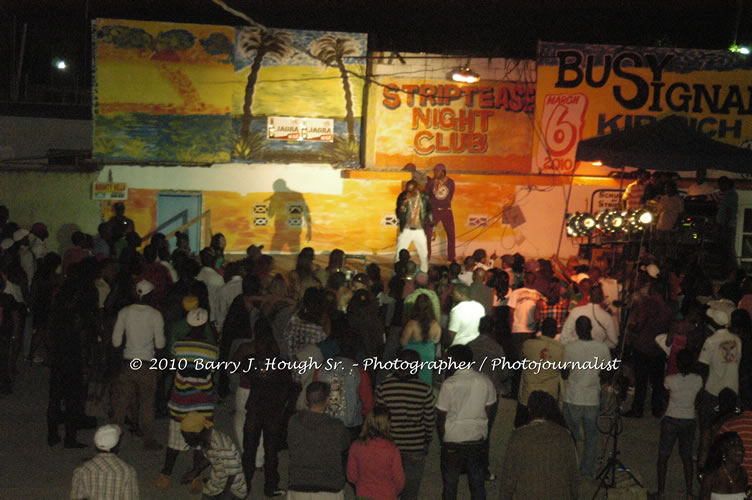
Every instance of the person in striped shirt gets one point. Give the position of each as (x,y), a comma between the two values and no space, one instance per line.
(226,478)
(105,477)
(411,405)
(635,192)
(742,425)
(193,389)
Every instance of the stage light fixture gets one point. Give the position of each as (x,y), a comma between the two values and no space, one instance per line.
(639,220)
(610,221)
(580,224)
(645,217)
(465,75)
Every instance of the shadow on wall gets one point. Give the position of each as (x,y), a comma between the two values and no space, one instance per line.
(290,212)
(63,237)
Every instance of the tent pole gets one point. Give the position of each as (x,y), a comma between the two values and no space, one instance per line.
(564,219)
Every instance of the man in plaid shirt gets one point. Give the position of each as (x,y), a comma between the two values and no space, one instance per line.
(105,477)
(304,328)
(553,305)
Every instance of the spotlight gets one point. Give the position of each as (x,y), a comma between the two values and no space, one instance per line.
(645,217)
(465,75)
(579,224)
(638,220)
(609,221)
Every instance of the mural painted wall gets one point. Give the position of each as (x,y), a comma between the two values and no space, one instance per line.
(500,213)
(201,93)
(422,117)
(590,90)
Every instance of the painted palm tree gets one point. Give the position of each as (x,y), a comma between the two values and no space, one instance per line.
(264,42)
(333,49)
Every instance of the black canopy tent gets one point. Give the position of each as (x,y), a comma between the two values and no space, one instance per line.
(669,144)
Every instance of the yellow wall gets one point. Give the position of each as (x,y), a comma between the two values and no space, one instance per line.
(62,200)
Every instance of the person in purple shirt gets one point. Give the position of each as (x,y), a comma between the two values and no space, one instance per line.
(441,190)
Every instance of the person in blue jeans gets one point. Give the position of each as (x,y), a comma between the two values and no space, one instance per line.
(463,409)
(583,357)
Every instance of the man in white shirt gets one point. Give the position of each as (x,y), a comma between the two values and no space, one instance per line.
(721,353)
(229,291)
(522,321)
(583,390)
(701,187)
(462,412)
(213,280)
(143,329)
(464,318)
(466,276)
(39,234)
(604,324)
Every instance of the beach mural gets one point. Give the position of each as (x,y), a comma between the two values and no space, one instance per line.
(167,92)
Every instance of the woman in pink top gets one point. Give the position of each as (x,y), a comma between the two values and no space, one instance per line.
(374,464)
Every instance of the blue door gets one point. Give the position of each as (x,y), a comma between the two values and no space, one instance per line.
(174,210)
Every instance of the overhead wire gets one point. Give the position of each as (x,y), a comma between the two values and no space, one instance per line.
(522,77)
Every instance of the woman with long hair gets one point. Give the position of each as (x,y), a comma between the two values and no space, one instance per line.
(725,478)
(499,282)
(217,244)
(374,464)
(421,334)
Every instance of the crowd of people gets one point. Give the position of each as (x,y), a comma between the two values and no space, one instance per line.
(155,333)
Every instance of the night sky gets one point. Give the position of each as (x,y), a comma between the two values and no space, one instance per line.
(481,28)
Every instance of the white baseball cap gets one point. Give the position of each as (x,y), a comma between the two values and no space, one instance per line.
(144,287)
(197,317)
(107,437)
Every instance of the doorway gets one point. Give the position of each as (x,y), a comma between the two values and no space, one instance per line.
(176,209)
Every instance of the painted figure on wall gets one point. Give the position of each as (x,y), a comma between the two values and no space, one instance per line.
(290,212)
(440,189)
(415,216)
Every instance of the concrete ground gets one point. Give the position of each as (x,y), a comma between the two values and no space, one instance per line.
(29,469)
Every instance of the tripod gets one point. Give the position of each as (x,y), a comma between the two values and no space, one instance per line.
(607,475)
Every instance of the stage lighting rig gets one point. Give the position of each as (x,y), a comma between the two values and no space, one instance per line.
(610,221)
(580,224)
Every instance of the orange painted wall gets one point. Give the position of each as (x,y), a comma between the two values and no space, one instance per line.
(352,221)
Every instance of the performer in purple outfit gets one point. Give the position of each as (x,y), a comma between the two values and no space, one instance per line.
(441,190)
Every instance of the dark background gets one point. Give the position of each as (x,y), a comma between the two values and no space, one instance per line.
(480,28)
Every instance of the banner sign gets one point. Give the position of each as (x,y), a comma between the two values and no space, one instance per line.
(482,126)
(585,91)
(103,191)
(300,129)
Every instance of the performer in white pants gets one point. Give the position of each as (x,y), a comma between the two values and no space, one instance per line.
(414,214)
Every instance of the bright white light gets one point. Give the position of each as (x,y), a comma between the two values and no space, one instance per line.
(646,218)
(465,75)
(61,65)
(744,50)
